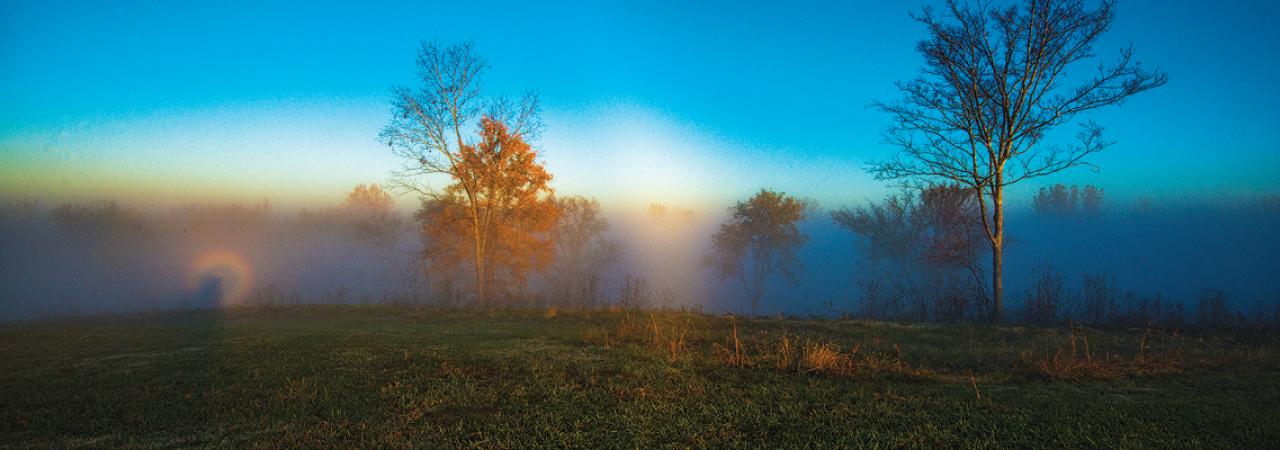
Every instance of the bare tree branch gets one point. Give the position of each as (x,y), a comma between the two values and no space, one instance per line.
(990,90)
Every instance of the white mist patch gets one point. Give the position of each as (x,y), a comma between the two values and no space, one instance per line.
(631,155)
(664,245)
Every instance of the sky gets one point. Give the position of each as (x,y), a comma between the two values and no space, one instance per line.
(694,103)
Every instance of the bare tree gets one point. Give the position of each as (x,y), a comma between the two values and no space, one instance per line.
(1099,297)
(760,239)
(888,231)
(428,133)
(581,251)
(991,88)
(932,233)
(1046,299)
(952,234)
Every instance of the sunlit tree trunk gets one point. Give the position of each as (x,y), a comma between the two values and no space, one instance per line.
(997,255)
(479,264)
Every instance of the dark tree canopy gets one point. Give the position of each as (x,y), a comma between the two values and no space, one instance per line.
(1061,200)
(760,239)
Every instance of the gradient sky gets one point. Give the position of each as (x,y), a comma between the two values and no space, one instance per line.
(682,102)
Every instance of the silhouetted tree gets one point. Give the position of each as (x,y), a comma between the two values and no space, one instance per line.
(427,133)
(109,232)
(1060,200)
(633,293)
(991,89)
(924,233)
(99,220)
(369,216)
(1046,299)
(1099,298)
(1091,199)
(1212,309)
(371,213)
(662,212)
(1056,200)
(581,251)
(760,239)
(952,234)
(20,210)
(888,230)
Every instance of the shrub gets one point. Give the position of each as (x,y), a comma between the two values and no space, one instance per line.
(1212,310)
(1139,310)
(1046,298)
(953,297)
(634,293)
(1099,299)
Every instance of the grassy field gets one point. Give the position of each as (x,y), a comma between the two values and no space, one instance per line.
(364,376)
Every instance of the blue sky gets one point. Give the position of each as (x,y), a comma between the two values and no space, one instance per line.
(166,101)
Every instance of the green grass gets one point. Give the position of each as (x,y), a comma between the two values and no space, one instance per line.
(363,376)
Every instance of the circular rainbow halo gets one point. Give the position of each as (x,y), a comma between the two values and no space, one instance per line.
(221,277)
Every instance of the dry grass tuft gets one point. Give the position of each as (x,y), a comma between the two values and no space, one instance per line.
(825,358)
(734,354)
(671,337)
(785,356)
(1075,360)
(666,332)
(1077,354)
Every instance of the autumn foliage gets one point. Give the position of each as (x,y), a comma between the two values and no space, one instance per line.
(495,219)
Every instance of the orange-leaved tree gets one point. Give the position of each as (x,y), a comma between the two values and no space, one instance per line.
(496,219)
(430,132)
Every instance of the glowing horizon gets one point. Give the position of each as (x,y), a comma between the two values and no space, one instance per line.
(630,120)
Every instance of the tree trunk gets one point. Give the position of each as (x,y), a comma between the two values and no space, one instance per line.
(749,287)
(997,283)
(997,253)
(757,288)
(757,291)
(479,265)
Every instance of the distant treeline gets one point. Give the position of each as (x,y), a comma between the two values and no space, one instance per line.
(916,258)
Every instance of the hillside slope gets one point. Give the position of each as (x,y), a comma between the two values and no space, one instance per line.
(363,376)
